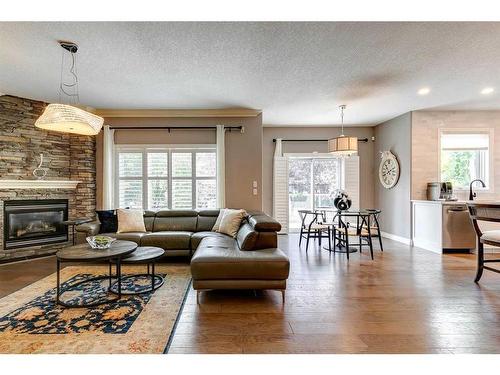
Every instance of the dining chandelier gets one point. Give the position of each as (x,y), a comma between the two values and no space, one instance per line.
(68,118)
(343,145)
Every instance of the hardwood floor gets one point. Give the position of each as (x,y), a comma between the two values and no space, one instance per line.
(405,301)
(17,275)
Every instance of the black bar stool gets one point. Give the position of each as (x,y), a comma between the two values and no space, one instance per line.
(485,212)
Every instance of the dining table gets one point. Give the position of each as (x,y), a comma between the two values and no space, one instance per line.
(342,219)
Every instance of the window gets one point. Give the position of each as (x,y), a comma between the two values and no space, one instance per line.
(156,178)
(465,156)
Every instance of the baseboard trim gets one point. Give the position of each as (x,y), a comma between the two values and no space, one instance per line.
(394,237)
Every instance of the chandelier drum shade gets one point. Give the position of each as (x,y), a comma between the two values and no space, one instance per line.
(69,119)
(343,145)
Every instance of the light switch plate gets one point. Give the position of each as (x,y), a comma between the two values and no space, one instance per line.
(255,184)
(254,191)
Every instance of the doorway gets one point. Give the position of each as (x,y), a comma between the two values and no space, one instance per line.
(312,182)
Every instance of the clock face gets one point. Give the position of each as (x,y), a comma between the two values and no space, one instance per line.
(389,171)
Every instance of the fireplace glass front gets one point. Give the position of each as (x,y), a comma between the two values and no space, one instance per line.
(34,222)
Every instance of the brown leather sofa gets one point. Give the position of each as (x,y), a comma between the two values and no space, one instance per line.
(249,261)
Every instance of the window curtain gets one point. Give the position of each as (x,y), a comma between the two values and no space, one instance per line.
(108,168)
(221,167)
(280,186)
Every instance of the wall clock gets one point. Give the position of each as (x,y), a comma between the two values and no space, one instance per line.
(388,171)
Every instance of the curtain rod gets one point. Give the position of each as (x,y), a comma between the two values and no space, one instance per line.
(230,128)
(364,140)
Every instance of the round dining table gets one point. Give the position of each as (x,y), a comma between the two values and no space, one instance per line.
(363,218)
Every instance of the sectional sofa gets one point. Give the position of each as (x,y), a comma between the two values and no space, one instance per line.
(249,261)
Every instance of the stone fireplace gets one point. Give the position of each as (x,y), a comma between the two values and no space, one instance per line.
(34,222)
(67,158)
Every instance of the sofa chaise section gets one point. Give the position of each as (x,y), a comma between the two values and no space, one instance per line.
(221,264)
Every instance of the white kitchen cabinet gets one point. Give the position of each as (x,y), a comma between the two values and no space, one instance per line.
(439,226)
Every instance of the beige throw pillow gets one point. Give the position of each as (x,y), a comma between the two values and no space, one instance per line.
(231,221)
(219,219)
(130,221)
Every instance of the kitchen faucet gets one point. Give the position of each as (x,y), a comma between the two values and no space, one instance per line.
(471,194)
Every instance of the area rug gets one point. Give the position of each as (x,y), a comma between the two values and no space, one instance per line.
(31,322)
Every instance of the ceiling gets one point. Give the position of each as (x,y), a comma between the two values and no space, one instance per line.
(296,73)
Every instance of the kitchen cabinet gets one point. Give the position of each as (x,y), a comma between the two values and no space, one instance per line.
(442,226)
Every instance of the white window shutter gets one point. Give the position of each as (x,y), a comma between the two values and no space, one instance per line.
(351,180)
(280,192)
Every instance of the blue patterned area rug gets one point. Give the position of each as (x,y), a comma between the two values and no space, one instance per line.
(31,321)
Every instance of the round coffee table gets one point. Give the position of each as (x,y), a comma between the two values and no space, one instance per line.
(84,253)
(142,255)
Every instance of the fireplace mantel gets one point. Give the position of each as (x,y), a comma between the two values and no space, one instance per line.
(38,184)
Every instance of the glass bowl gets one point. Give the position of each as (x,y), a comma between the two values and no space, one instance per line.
(100,242)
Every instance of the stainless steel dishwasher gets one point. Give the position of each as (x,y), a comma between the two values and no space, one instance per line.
(458,232)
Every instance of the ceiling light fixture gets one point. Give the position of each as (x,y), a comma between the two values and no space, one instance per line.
(343,146)
(487,90)
(68,118)
(424,91)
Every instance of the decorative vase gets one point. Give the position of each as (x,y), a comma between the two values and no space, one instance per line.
(342,201)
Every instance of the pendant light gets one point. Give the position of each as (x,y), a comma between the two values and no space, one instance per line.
(343,145)
(68,118)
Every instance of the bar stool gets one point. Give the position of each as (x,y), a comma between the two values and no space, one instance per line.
(485,212)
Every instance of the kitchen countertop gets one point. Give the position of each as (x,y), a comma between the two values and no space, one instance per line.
(440,202)
(454,202)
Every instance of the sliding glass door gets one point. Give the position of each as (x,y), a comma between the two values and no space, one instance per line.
(312,182)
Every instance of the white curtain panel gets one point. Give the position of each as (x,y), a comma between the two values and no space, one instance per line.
(280,186)
(108,168)
(221,167)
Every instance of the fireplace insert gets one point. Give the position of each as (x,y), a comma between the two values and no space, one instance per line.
(34,222)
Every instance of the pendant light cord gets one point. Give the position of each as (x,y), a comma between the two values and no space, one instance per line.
(69,89)
(342,107)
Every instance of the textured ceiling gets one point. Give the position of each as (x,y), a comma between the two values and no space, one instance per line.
(296,73)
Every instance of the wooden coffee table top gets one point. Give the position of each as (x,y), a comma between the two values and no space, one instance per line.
(84,253)
(144,254)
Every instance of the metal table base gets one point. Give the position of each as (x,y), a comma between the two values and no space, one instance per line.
(156,282)
(118,283)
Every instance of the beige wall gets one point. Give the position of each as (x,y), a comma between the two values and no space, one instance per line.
(243,151)
(307,132)
(425,146)
(394,135)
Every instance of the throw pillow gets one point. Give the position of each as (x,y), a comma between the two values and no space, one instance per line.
(108,220)
(231,221)
(219,218)
(130,221)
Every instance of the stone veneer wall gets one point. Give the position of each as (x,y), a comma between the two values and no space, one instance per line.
(67,157)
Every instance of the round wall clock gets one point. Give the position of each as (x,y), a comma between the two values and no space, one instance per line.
(388,171)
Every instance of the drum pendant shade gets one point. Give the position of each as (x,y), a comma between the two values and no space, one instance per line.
(343,145)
